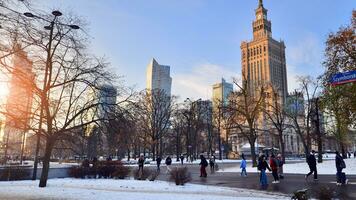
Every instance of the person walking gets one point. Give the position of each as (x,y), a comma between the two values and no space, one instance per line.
(141,162)
(262,167)
(168,164)
(212,165)
(158,160)
(243,166)
(312,166)
(274,166)
(203,164)
(280,166)
(340,165)
(354,154)
(181,159)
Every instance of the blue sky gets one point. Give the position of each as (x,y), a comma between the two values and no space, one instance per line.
(200,39)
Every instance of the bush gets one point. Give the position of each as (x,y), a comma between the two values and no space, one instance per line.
(300,195)
(121,172)
(324,193)
(142,176)
(180,175)
(153,176)
(14,173)
(76,172)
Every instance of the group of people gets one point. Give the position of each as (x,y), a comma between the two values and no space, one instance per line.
(339,164)
(275,165)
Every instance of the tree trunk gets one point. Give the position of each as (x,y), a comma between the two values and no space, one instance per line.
(282,145)
(253,153)
(46,160)
(153,149)
(320,148)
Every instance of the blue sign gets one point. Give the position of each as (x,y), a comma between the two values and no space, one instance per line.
(342,78)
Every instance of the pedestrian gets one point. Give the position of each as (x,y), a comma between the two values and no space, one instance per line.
(168,164)
(349,154)
(181,159)
(274,166)
(212,164)
(354,154)
(312,166)
(158,160)
(243,166)
(141,162)
(203,164)
(263,166)
(280,166)
(340,165)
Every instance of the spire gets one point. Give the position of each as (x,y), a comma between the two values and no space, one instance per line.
(260,3)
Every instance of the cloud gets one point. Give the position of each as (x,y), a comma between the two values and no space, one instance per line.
(198,82)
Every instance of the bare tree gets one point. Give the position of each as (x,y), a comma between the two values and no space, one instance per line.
(65,76)
(276,115)
(248,107)
(153,110)
(300,116)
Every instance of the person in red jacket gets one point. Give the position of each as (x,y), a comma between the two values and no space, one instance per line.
(274,166)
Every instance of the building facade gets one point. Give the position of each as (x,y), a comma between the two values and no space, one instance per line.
(158,77)
(221,92)
(18,105)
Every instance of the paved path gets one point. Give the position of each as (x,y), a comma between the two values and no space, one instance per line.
(291,183)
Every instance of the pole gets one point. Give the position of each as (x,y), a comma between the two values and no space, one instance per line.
(43,97)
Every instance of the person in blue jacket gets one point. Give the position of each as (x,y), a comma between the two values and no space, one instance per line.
(243,166)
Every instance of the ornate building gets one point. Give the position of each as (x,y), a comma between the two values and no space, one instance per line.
(263,59)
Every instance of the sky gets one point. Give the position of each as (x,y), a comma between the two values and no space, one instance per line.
(200,39)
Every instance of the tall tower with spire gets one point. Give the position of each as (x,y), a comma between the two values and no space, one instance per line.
(263,58)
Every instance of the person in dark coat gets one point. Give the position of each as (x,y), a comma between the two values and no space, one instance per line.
(212,164)
(181,159)
(168,164)
(263,166)
(141,162)
(158,160)
(273,163)
(340,165)
(203,164)
(312,166)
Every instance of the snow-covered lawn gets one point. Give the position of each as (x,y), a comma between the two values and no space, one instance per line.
(327,167)
(107,189)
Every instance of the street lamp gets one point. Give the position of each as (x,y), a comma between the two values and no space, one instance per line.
(50,27)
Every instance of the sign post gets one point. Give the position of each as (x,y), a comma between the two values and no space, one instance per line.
(342,78)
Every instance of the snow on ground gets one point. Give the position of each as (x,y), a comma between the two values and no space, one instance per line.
(107,189)
(326,167)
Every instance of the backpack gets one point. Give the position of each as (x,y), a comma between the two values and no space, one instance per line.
(205,163)
(259,167)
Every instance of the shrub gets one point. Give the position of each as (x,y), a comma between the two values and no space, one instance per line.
(324,193)
(14,173)
(300,195)
(154,175)
(142,176)
(76,172)
(121,172)
(180,175)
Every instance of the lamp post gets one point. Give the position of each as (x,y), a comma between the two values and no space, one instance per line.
(45,88)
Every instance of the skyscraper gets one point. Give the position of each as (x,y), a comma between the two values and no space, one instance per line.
(19,103)
(221,92)
(263,59)
(158,77)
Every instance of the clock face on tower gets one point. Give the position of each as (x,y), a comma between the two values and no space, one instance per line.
(259,16)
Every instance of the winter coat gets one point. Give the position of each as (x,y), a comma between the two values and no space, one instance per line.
(340,163)
(203,162)
(263,165)
(311,161)
(141,161)
(273,164)
(158,160)
(243,164)
(168,161)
